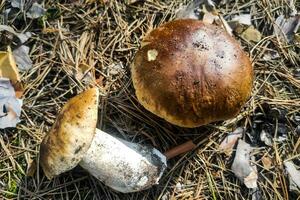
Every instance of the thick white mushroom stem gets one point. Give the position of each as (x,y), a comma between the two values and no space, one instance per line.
(124,166)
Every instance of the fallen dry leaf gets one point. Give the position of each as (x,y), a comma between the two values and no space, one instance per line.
(239,23)
(266,138)
(36,11)
(242,167)
(251,180)
(188,11)
(207,9)
(251,34)
(17,3)
(244,19)
(294,175)
(21,55)
(286,28)
(8,67)
(267,162)
(229,142)
(23,37)
(10,106)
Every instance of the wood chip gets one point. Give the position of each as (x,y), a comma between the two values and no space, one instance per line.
(229,142)
(242,167)
(294,174)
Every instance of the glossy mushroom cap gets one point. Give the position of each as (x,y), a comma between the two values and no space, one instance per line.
(71,135)
(191,73)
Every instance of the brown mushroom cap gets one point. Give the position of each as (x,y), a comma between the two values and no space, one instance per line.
(71,135)
(191,73)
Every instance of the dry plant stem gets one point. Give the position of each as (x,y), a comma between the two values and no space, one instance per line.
(180,149)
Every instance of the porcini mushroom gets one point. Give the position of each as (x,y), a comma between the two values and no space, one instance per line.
(74,139)
(191,73)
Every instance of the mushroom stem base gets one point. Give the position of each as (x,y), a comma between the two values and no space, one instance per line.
(124,166)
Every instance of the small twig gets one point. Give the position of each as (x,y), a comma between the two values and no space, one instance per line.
(180,149)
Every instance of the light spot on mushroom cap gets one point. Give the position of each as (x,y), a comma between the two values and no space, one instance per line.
(152,54)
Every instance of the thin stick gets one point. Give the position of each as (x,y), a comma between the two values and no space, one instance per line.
(180,149)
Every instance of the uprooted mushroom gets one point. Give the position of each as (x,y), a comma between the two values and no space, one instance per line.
(74,139)
(121,165)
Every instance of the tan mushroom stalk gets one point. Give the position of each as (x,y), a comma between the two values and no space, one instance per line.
(191,73)
(74,139)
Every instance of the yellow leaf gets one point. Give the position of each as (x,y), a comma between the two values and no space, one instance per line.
(8,67)
(251,34)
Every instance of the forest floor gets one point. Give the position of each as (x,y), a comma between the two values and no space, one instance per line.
(72,37)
